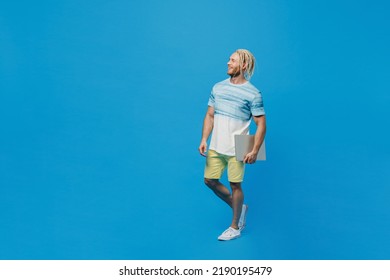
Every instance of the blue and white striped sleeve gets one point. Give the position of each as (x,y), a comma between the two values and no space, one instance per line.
(257,108)
(211,99)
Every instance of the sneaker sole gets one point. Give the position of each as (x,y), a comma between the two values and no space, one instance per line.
(227,239)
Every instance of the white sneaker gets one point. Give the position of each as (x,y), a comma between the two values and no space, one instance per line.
(242,220)
(229,234)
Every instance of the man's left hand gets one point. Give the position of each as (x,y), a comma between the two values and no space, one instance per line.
(250,158)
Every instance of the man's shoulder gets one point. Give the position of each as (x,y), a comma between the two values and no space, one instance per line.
(222,83)
(252,87)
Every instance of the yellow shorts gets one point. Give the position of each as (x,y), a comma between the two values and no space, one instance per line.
(216,164)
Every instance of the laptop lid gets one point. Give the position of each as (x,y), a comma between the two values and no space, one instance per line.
(244,144)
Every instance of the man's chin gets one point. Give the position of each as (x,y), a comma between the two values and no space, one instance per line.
(233,75)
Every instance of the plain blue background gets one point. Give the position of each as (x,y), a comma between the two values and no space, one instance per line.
(101,109)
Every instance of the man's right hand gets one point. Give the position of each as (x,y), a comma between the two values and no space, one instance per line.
(203,148)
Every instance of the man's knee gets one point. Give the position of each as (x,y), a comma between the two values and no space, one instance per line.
(235,185)
(211,183)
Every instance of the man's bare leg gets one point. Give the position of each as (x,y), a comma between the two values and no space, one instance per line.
(234,199)
(237,201)
(220,190)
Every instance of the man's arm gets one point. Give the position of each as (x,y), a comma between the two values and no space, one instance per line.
(259,138)
(208,125)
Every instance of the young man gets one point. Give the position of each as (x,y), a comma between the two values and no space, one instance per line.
(232,104)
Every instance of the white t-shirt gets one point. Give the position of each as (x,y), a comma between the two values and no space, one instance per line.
(234,105)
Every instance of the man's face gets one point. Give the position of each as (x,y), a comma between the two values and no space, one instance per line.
(234,65)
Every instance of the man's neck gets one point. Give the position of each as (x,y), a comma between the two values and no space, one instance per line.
(237,80)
